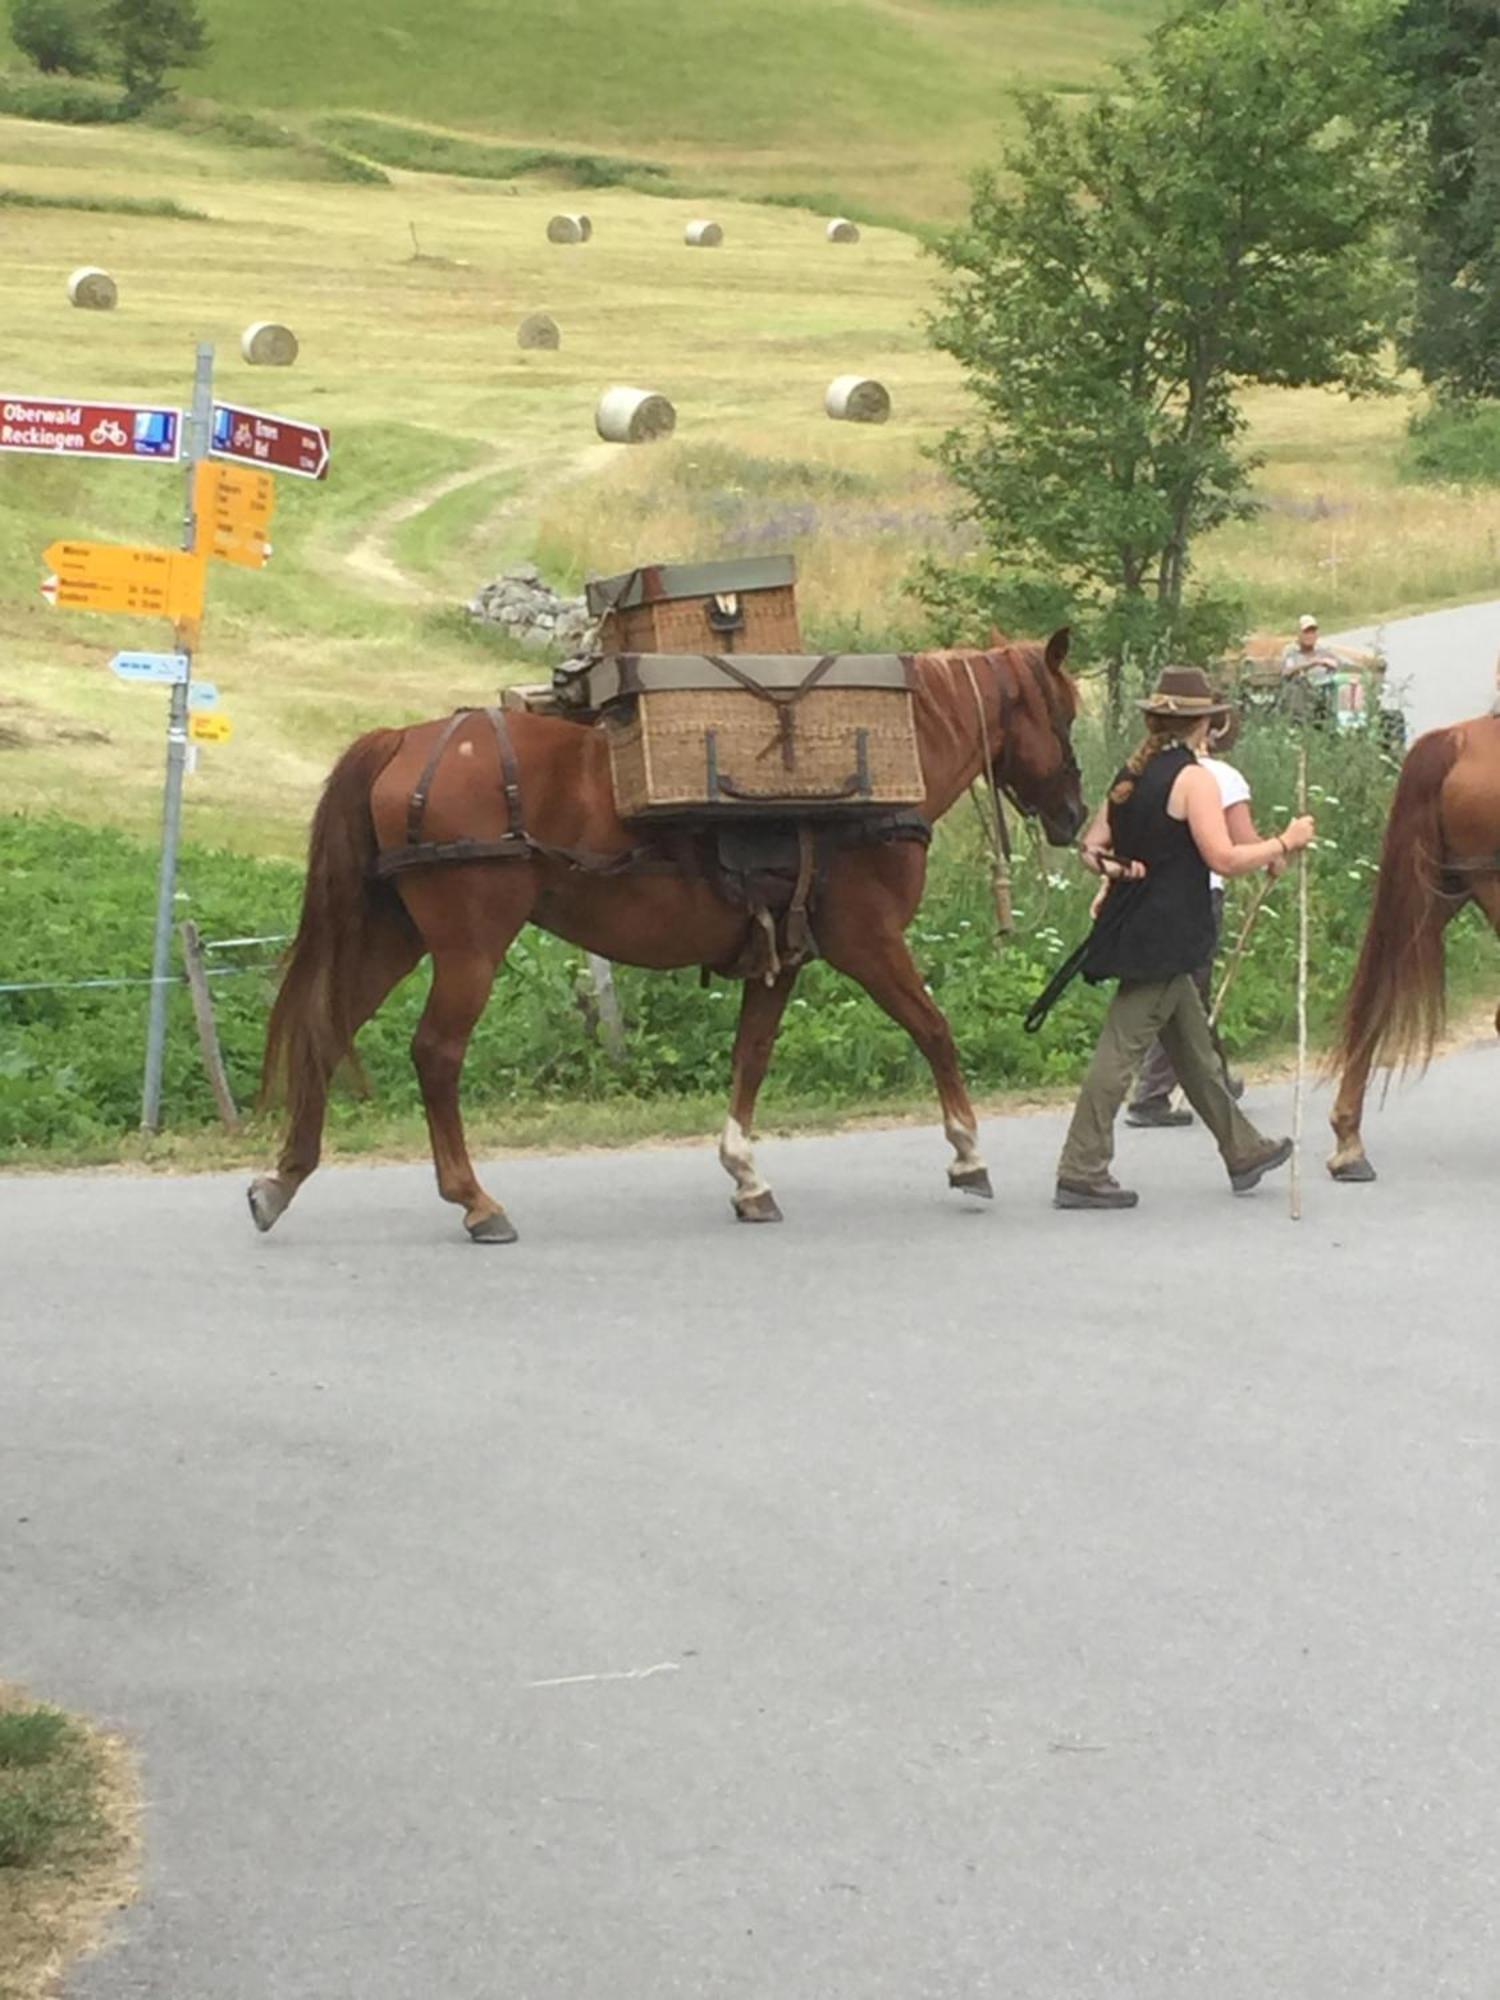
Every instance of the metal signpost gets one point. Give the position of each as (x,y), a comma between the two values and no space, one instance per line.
(199,418)
(226,514)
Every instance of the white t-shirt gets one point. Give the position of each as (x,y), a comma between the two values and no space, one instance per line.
(1233,791)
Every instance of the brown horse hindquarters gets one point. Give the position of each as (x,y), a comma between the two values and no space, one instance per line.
(1441,851)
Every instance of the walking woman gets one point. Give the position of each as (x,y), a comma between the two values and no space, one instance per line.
(1154,930)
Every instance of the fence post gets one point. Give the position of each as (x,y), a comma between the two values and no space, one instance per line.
(208,1033)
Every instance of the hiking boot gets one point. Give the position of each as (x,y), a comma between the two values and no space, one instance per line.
(1277,1153)
(1094,1194)
(1153,1111)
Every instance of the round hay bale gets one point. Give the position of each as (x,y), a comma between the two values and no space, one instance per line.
(539,330)
(842,230)
(93,289)
(267,345)
(856,399)
(569,229)
(703,235)
(634,416)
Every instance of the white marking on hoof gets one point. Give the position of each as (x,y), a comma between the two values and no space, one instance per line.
(737,1157)
(269,1201)
(965,1143)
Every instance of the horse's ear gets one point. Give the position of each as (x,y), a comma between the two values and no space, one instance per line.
(999,641)
(1057,648)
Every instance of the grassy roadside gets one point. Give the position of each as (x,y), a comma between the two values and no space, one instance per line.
(67,1841)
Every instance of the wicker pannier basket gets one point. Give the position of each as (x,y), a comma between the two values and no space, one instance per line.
(720,607)
(809,736)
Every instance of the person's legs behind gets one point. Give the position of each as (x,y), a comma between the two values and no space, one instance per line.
(1135,1015)
(1247,1153)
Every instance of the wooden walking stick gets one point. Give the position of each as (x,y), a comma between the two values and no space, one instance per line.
(1297,1095)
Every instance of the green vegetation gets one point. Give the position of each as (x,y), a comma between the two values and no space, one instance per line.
(421,150)
(64,1841)
(888,105)
(118,204)
(1215,224)
(79,905)
(58,35)
(1448,59)
(1455,444)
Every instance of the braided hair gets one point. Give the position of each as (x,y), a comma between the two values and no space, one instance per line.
(1163,732)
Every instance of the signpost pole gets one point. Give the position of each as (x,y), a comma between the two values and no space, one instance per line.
(199,430)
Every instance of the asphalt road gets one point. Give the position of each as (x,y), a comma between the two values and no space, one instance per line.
(1441,665)
(919,1599)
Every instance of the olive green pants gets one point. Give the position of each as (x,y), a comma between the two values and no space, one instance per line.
(1141,1011)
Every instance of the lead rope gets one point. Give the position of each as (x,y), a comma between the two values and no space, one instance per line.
(997,835)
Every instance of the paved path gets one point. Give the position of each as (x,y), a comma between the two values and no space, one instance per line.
(921,1599)
(1442,664)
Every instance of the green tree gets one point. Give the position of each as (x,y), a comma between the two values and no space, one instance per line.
(149,37)
(1217,221)
(56,34)
(1449,63)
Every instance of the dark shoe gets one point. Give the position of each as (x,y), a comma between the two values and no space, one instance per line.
(1277,1153)
(1153,1111)
(1094,1194)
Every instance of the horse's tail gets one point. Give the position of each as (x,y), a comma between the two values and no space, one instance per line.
(344,908)
(1396,1005)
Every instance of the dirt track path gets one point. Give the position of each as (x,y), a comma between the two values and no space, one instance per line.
(371,559)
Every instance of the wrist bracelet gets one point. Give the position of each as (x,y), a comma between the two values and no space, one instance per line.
(1285,850)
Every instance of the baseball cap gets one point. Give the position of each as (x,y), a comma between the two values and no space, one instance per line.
(1307,623)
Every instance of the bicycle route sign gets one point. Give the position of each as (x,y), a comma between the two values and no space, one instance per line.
(90,430)
(281,444)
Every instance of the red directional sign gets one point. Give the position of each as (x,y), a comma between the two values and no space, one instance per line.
(283,444)
(89,430)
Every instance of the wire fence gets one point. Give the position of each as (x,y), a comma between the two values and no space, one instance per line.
(145,979)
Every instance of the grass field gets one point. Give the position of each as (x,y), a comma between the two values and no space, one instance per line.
(884,103)
(455,452)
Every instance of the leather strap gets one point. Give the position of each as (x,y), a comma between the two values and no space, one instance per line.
(416,805)
(510,771)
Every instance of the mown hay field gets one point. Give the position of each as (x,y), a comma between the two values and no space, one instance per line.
(455,451)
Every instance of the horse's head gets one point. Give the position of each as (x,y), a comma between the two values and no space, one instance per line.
(1036,767)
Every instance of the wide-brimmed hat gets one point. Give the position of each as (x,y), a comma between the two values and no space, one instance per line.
(1183,691)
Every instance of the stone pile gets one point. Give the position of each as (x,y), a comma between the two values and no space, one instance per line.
(531,612)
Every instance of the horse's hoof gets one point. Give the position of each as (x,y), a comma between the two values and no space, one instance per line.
(268,1202)
(496,1228)
(757,1207)
(971,1180)
(1352,1170)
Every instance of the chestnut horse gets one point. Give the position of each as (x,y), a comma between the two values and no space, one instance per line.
(1441,851)
(1012,707)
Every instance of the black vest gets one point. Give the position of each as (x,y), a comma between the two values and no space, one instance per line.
(1164,925)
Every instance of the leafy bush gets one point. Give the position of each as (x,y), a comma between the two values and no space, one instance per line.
(61,101)
(1454,444)
(146,38)
(56,34)
(79,903)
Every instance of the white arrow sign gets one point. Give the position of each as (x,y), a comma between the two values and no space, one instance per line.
(164,667)
(203,694)
(48,588)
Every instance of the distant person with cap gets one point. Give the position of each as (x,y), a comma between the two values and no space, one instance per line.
(1305,651)
(1155,929)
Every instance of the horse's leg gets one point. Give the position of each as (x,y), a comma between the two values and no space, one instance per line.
(461,982)
(1347,1161)
(761,1009)
(878,957)
(395,951)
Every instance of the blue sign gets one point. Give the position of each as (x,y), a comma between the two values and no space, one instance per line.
(168,668)
(203,694)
